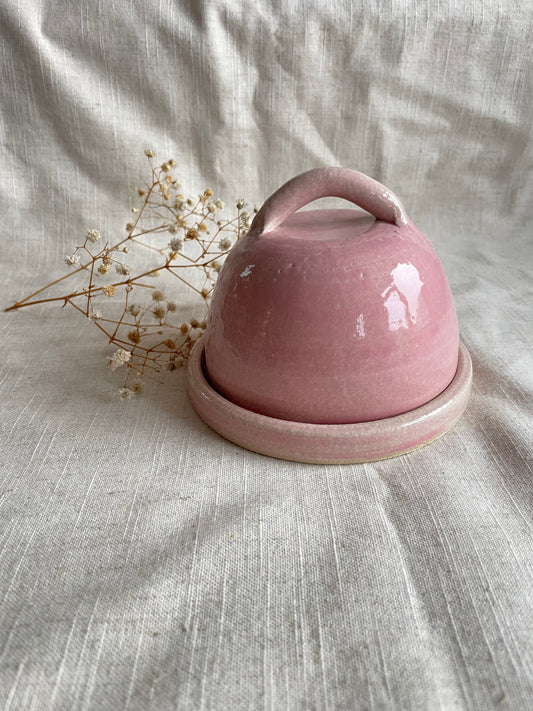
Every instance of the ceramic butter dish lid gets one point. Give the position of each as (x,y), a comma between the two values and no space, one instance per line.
(332,334)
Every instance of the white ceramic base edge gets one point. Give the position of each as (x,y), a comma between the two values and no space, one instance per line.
(329,444)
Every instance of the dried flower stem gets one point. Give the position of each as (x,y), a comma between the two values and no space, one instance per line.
(143,334)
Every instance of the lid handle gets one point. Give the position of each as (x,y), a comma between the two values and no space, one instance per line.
(329,182)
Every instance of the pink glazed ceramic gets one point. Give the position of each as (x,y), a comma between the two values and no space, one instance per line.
(330,317)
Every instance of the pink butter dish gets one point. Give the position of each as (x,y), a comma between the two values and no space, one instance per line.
(332,335)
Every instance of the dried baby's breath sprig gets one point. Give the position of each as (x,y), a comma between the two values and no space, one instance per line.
(93,235)
(118,358)
(183,238)
(72,260)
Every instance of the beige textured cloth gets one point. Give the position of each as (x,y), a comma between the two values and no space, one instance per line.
(145,563)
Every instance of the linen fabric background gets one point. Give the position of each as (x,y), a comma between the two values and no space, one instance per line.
(146,563)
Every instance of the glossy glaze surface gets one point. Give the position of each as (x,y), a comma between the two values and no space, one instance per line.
(332,316)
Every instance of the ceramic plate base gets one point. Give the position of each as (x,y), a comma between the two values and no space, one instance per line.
(329,444)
